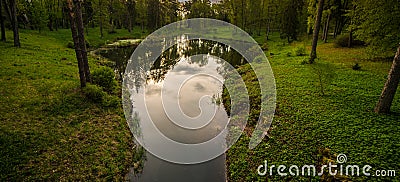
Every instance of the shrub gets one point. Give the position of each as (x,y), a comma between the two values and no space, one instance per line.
(70,45)
(343,41)
(304,61)
(105,78)
(112,32)
(137,35)
(264,47)
(94,93)
(300,51)
(111,101)
(356,67)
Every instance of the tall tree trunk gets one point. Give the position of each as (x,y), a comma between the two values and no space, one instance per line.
(350,41)
(81,37)
(101,29)
(326,31)
(14,22)
(7,9)
(335,33)
(390,88)
(313,53)
(75,38)
(3,29)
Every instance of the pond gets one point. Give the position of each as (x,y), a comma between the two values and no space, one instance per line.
(171,79)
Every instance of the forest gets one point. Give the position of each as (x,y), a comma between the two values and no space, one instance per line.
(336,65)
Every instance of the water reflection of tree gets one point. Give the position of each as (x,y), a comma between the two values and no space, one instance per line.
(173,55)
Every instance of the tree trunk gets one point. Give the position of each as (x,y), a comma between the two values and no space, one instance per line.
(81,37)
(326,31)
(350,41)
(101,29)
(7,9)
(390,88)
(313,53)
(3,29)
(14,22)
(75,38)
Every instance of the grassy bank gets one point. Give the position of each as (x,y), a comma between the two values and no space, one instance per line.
(49,129)
(323,110)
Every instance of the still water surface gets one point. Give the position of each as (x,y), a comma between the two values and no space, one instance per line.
(196,94)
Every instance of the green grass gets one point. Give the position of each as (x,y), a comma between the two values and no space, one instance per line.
(49,129)
(311,127)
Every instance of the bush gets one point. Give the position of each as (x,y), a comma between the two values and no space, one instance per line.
(356,67)
(300,51)
(343,41)
(264,47)
(94,93)
(112,32)
(304,61)
(105,78)
(70,45)
(111,101)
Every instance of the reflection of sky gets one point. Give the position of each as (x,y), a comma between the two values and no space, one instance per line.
(181,87)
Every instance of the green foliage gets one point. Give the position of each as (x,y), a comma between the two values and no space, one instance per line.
(70,45)
(291,24)
(94,93)
(343,41)
(300,51)
(105,78)
(200,9)
(377,23)
(324,73)
(111,101)
(311,128)
(264,47)
(50,129)
(39,15)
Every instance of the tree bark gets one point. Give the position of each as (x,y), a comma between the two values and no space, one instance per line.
(350,41)
(326,31)
(7,9)
(75,38)
(390,88)
(81,37)
(313,53)
(14,22)
(3,29)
